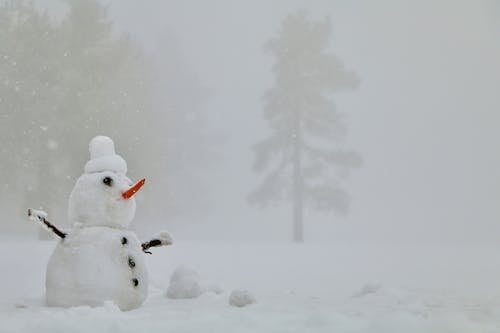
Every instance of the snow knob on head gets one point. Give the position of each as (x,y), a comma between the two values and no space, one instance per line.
(103,195)
(103,156)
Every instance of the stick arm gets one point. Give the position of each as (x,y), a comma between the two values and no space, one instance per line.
(41,216)
(162,239)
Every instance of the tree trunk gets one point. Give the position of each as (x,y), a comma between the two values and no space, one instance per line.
(298,200)
(298,216)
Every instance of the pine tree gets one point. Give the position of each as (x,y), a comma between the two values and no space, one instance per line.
(303,157)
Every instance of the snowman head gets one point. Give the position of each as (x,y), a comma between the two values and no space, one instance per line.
(103,195)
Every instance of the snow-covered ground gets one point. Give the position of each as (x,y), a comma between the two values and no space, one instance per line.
(299,288)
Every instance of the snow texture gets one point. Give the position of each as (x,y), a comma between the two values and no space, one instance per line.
(306,288)
(184,283)
(241,298)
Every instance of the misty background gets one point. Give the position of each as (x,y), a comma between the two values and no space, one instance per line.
(179,86)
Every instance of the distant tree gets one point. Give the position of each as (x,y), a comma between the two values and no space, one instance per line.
(303,157)
(62,83)
(104,81)
(28,68)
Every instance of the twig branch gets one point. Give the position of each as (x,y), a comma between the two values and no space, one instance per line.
(152,243)
(162,239)
(42,217)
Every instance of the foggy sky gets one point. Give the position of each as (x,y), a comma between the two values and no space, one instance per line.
(425,119)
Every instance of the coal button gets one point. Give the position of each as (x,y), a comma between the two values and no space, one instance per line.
(131,262)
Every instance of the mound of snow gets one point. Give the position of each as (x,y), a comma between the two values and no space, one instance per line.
(367,289)
(241,298)
(184,283)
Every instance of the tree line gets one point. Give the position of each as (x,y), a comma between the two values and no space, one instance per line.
(64,81)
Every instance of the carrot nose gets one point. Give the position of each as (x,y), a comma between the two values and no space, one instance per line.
(133,190)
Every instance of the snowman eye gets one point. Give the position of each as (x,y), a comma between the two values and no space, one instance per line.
(108,181)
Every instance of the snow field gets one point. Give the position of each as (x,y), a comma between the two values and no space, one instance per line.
(299,288)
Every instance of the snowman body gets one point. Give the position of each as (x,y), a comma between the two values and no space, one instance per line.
(96,264)
(100,259)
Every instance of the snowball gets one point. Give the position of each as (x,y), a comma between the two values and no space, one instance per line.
(92,204)
(241,298)
(184,283)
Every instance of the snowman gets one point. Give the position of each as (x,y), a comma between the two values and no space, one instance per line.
(99,259)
